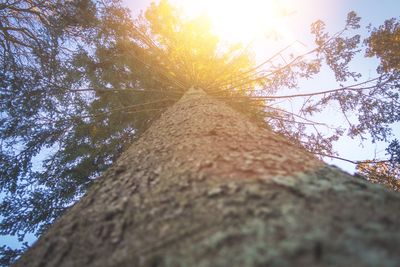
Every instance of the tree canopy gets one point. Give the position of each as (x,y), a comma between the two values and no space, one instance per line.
(80,80)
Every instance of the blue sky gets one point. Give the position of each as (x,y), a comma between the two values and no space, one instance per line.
(333,12)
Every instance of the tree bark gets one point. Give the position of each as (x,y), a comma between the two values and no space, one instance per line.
(204,186)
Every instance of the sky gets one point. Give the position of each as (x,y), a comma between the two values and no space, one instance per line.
(333,12)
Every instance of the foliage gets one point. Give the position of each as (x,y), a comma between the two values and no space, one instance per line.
(385,172)
(393,150)
(80,80)
(9,255)
(382,173)
(35,40)
(384,42)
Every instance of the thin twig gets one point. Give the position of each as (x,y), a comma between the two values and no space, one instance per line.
(350,161)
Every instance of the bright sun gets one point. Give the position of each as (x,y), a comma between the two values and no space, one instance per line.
(239,20)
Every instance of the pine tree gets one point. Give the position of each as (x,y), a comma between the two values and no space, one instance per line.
(103,79)
(203,186)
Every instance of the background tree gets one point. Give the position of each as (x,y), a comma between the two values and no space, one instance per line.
(36,41)
(92,80)
(384,43)
(383,172)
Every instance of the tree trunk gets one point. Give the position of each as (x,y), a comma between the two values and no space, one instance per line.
(206,187)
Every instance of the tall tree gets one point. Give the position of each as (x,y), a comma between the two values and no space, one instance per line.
(107,78)
(384,43)
(195,191)
(84,102)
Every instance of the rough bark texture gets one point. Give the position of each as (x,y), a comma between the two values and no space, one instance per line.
(206,187)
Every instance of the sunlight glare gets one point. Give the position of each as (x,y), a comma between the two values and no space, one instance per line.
(241,21)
